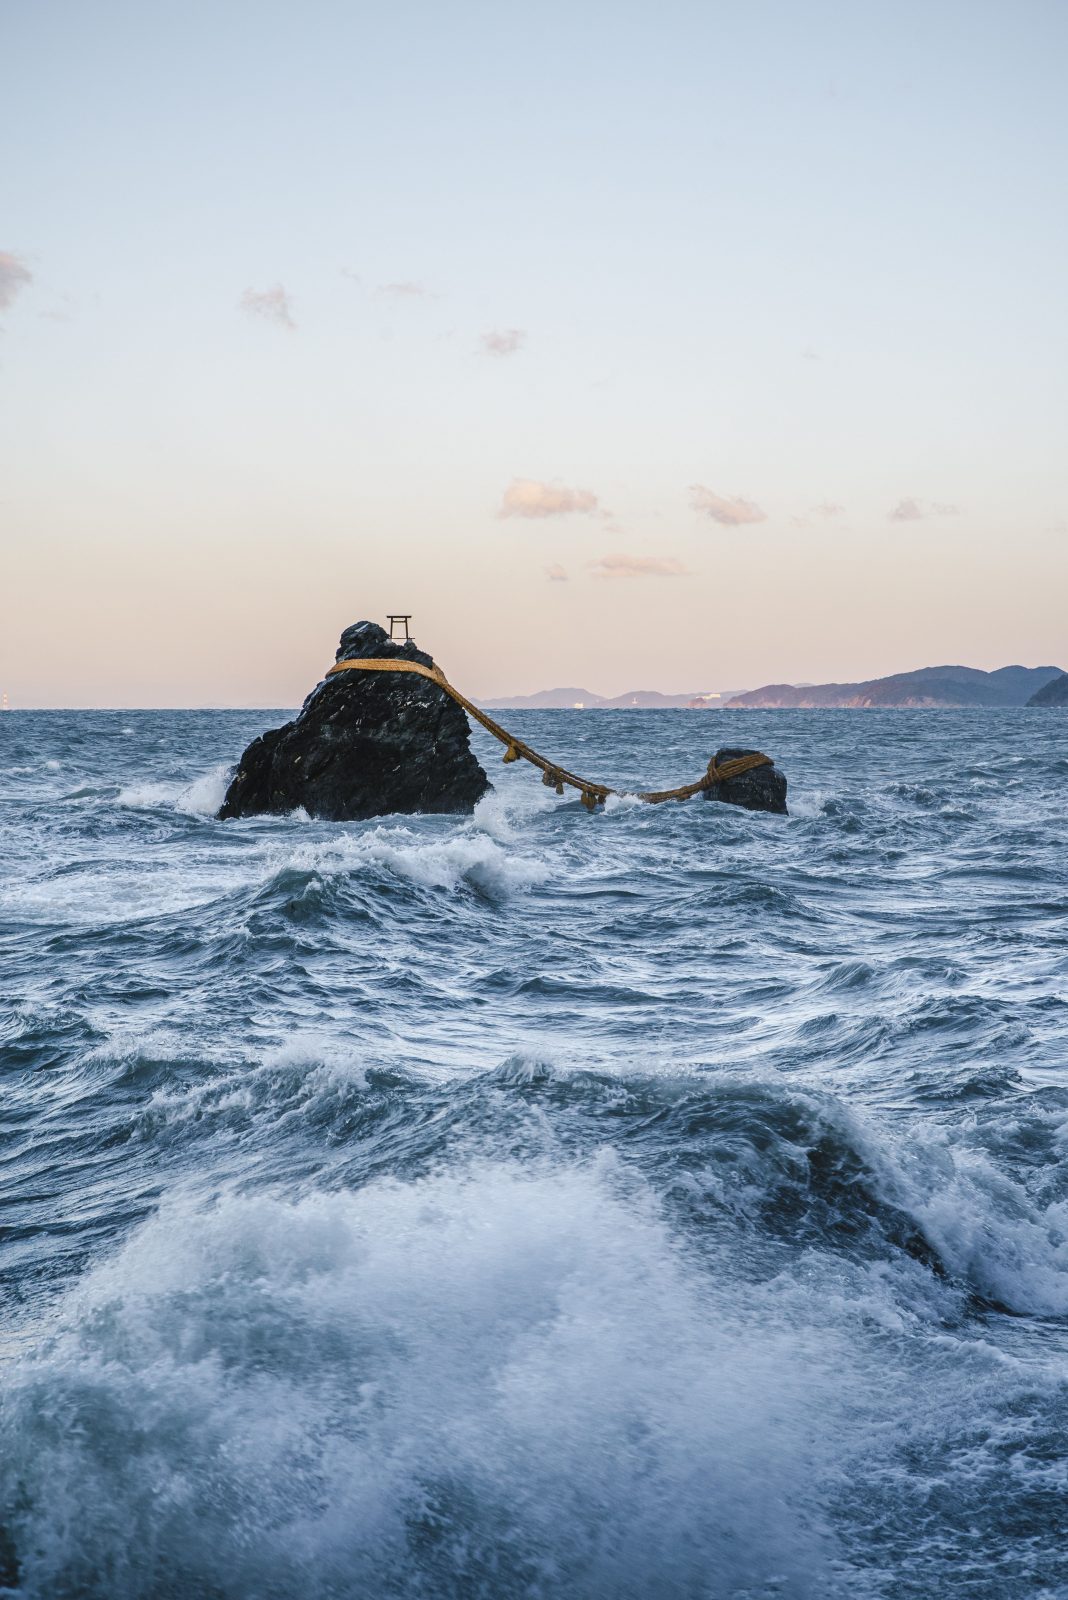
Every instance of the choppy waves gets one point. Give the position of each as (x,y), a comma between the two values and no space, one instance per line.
(672,1202)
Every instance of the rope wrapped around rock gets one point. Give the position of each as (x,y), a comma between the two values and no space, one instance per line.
(557,777)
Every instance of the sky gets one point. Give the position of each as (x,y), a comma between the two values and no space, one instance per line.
(684,346)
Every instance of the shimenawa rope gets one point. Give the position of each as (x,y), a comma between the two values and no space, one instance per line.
(557,777)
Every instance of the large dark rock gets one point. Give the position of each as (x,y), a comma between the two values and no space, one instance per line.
(759,789)
(365,744)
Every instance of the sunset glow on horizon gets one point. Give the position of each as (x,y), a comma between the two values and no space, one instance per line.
(683,348)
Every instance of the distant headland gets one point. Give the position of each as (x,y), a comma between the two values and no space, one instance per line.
(1054,693)
(929,688)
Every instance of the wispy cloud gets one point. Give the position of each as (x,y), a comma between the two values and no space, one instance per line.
(731,512)
(274,305)
(621,566)
(911,510)
(825,511)
(556,573)
(64,310)
(15,276)
(525,497)
(503,341)
(406,290)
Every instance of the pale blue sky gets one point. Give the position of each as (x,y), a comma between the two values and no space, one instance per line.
(802,256)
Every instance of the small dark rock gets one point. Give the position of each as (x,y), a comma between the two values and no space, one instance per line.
(759,789)
(364,744)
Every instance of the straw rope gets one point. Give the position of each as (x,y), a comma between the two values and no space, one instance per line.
(555,776)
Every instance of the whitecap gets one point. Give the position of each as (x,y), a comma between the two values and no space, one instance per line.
(146,796)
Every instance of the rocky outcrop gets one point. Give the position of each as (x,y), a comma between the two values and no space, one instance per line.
(364,744)
(367,744)
(1053,694)
(759,789)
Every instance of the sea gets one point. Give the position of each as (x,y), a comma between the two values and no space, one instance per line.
(664,1204)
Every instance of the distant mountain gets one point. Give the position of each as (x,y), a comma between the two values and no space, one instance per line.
(544,700)
(1054,693)
(930,687)
(585,700)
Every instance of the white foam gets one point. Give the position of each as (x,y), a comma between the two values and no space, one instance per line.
(462,858)
(622,802)
(205,794)
(147,796)
(989,1230)
(809,803)
(386,1390)
(986,1228)
(202,797)
(120,893)
(499,813)
(466,856)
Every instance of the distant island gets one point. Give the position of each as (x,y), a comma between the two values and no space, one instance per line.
(930,688)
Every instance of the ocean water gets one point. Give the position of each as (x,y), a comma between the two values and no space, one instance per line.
(666,1203)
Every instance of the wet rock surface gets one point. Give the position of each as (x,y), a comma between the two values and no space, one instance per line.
(365,744)
(760,789)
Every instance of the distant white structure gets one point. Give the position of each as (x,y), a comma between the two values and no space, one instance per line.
(5,704)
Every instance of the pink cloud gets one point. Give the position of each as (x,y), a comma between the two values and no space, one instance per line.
(15,276)
(525,497)
(622,566)
(556,573)
(826,510)
(406,290)
(730,512)
(275,305)
(910,510)
(503,342)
